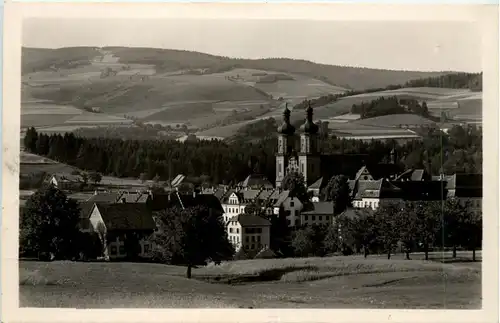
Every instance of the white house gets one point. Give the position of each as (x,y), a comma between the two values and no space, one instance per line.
(292,205)
(250,232)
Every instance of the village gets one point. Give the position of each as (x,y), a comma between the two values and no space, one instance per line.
(129,207)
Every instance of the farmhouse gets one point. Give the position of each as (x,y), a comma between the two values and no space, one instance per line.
(123,229)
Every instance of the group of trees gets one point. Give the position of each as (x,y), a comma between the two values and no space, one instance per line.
(460,150)
(411,225)
(391,105)
(472,81)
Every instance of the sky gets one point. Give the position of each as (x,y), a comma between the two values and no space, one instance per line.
(405,45)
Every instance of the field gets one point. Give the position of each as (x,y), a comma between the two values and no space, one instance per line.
(211,94)
(336,282)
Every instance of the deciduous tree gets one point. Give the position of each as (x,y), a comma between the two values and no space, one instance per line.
(49,224)
(191,237)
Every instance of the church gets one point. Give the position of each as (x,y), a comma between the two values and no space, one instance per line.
(311,163)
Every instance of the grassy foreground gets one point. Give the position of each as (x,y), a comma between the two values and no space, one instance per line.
(336,282)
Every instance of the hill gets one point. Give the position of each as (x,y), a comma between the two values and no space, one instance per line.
(167,60)
(81,87)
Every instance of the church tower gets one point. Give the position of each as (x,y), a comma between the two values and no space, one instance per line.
(309,156)
(285,146)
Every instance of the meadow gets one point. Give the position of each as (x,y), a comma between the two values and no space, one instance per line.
(332,282)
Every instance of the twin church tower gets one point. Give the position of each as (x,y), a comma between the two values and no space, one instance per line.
(308,159)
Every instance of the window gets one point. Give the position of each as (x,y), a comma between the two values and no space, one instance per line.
(296,212)
(258,238)
(320,218)
(305,217)
(259,230)
(292,203)
(302,168)
(246,247)
(314,218)
(230,230)
(253,238)
(237,230)
(246,239)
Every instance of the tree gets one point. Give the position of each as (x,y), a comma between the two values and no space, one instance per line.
(302,242)
(191,237)
(406,222)
(295,183)
(280,233)
(95,177)
(361,230)
(472,227)
(49,224)
(337,190)
(30,139)
(453,215)
(427,223)
(387,226)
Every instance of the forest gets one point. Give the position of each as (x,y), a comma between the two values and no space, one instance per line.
(460,150)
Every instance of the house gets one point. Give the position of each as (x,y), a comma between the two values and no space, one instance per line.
(66,181)
(250,232)
(291,205)
(123,228)
(233,203)
(320,213)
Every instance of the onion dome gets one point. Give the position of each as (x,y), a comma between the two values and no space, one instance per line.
(286,128)
(309,126)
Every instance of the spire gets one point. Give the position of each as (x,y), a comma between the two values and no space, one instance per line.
(286,128)
(309,126)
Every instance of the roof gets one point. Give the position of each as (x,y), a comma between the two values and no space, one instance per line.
(465,185)
(250,220)
(256,181)
(110,197)
(158,202)
(316,185)
(281,198)
(320,208)
(126,216)
(177,180)
(68,177)
(250,194)
(368,189)
(380,170)
(85,209)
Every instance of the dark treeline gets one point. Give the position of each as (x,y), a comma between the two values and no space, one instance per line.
(458,151)
(472,81)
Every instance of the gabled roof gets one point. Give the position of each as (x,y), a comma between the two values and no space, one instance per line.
(111,197)
(177,180)
(250,194)
(320,208)
(281,198)
(256,181)
(368,189)
(85,209)
(265,195)
(250,220)
(126,216)
(158,202)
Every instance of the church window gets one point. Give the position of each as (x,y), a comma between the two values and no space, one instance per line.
(302,168)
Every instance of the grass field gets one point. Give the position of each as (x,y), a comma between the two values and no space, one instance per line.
(336,282)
